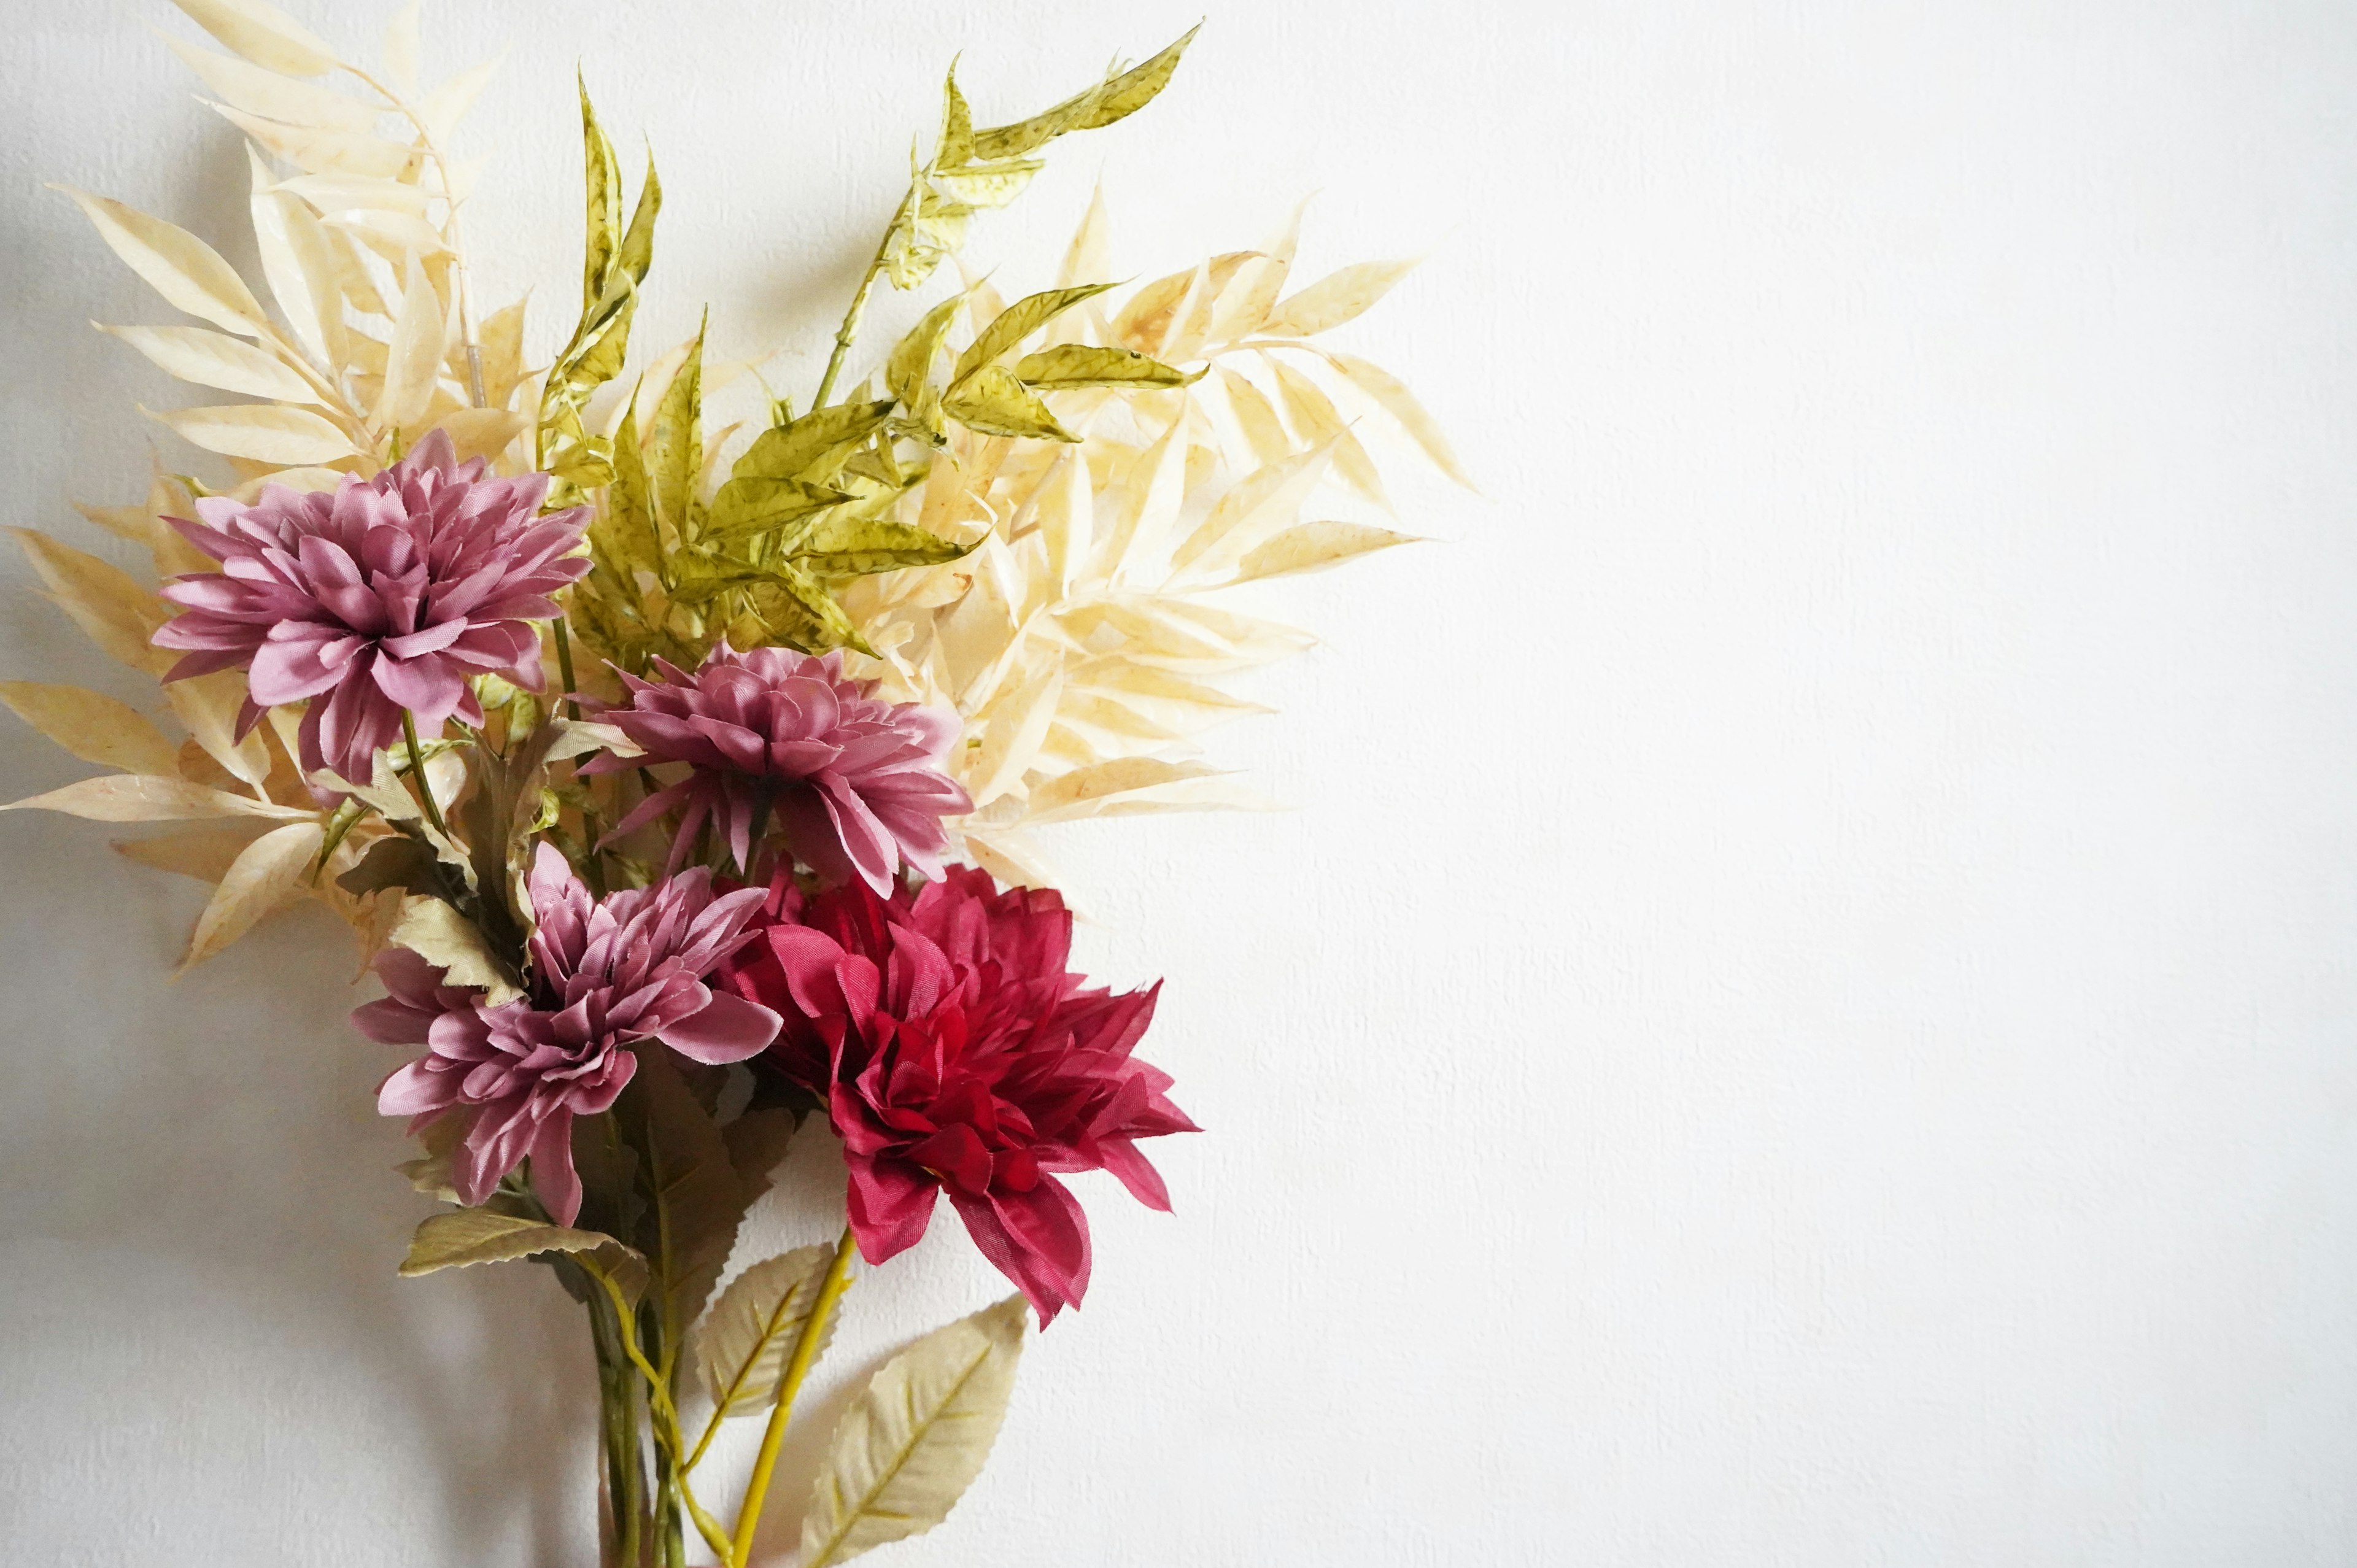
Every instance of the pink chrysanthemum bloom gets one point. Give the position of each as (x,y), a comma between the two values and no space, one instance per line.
(383,596)
(954,1052)
(605,973)
(854,784)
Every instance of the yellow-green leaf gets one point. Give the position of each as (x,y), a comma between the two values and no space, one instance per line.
(1015,323)
(907,372)
(993,401)
(916,1438)
(603,179)
(676,449)
(93,726)
(848,547)
(812,448)
(1072,365)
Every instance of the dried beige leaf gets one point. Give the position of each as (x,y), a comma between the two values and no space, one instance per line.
(482,432)
(448,104)
(93,726)
(1090,791)
(268,433)
(321,151)
(187,272)
(268,872)
(137,797)
(263,34)
(112,608)
(1263,432)
(333,193)
(1392,396)
(297,263)
(205,854)
(1313,547)
(1017,723)
(1261,503)
(1314,415)
(455,1240)
(413,360)
(402,47)
(209,705)
(1339,297)
(258,90)
(916,1438)
(745,1338)
(216,359)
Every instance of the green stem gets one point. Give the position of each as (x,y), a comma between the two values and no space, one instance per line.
(757,1490)
(565,667)
(417,774)
(850,327)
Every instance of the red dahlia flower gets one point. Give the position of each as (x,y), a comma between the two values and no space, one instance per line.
(605,974)
(384,596)
(853,783)
(955,1052)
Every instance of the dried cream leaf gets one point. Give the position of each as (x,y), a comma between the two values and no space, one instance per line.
(333,193)
(266,92)
(187,272)
(1314,546)
(1261,503)
(448,104)
(413,361)
(482,432)
(135,797)
(205,854)
(268,874)
(1335,298)
(323,151)
(1265,434)
(1018,722)
(209,705)
(1392,396)
(1315,416)
(300,270)
(216,359)
(268,433)
(93,726)
(402,47)
(113,610)
(263,34)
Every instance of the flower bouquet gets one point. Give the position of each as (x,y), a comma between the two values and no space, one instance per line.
(683,786)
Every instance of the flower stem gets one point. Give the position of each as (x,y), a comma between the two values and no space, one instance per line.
(417,774)
(565,667)
(757,1490)
(850,327)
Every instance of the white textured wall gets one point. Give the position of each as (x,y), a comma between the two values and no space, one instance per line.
(1807,1016)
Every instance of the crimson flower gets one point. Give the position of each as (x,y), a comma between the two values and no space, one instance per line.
(954,1052)
(854,783)
(384,596)
(605,973)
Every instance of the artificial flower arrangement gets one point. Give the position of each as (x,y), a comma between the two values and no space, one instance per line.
(683,786)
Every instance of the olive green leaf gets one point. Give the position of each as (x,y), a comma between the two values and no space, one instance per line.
(993,401)
(624,533)
(907,373)
(1070,365)
(916,1438)
(1116,98)
(678,441)
(603,177)
(813,447)
(698,1201)
(756,505)
(851,546)
(1015,323)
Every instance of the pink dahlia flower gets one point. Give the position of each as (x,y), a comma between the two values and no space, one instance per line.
(853,783)
(605,973)
(384,596)
(955,1052)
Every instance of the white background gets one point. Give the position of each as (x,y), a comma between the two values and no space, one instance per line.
(1805,1017)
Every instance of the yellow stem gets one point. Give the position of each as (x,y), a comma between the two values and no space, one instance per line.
(757,1490)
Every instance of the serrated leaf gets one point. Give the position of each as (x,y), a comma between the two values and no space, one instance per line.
(1336,297)
(744,1341)
(993,401)
(187,272)
(440,935)
(468,1236)
(916,1437)
(263,34)
(270,869)
(266,432)
(1073,365)
(93,726)
(850,547)
(1015,323)
(212,359)
(756,505)
(137,798)
(830,626)
(1313,547)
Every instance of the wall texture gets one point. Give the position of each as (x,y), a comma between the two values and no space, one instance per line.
(1806,1015)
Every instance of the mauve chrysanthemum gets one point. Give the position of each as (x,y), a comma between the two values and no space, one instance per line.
(854,784)
(384,596)
(605,973)
(954,1052)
